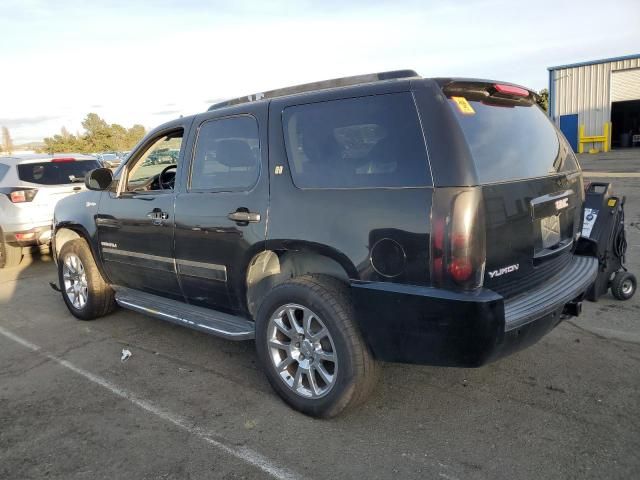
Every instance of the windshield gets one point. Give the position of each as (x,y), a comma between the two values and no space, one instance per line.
(509,139)
(56,173)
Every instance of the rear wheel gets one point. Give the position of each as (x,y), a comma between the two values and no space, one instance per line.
(10,255)
(623,285)
(84,290)
(311,349)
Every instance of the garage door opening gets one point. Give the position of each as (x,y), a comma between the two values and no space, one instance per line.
(625,119)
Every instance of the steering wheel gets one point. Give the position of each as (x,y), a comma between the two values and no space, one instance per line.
(170,180)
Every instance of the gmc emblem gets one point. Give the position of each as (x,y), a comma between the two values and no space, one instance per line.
(562,203)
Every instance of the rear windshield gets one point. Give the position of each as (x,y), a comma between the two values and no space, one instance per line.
(56,173)
(510,141)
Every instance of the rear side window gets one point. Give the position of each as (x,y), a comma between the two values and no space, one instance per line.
(510,141)
(365,142)
(3,170)
(56,173)
(227,155)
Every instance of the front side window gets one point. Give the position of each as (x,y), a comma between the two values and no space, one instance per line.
(227,155)
(367,142)
(156,168)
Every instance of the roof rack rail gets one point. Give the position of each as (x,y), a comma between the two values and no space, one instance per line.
(322,85)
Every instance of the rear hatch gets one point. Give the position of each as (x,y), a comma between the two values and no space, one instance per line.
(52,180)
(531,184)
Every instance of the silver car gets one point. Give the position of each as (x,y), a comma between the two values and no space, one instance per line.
(30,187)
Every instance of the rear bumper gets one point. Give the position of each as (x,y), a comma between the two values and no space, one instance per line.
(423,325)
(29,237)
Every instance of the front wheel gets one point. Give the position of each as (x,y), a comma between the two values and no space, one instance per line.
(311,349)
(84,290)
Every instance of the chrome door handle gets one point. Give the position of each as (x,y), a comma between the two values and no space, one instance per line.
(157,216)
(244,217)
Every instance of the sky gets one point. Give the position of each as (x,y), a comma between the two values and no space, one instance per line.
(141,61)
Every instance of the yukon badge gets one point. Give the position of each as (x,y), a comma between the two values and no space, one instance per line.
(503,270)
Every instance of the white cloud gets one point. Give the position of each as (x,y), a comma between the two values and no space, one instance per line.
(134,59)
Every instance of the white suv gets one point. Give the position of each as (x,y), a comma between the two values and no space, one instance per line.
(30,187)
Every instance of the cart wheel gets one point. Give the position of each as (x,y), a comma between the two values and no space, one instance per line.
(623,285)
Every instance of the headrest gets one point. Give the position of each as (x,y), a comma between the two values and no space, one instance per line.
(235,153)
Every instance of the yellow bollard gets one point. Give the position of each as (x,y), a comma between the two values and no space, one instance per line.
(605,138)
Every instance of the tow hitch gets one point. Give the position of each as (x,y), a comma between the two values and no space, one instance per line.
(573,309)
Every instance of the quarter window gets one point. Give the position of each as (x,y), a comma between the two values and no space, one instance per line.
(366,142)
(3,170)
(227,155)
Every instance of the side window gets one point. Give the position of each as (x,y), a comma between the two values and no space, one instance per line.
(162,154)
(3,170)
(366,142)
(227,154)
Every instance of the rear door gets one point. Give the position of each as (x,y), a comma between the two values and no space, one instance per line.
(531,183)
(221,217)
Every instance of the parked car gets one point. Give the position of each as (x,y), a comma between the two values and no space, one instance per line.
(384,217)
(30,186)
(109,160)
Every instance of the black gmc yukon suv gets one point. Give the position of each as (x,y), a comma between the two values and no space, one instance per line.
(383,217)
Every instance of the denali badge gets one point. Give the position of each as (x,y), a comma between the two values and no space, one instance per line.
(109,244)
(503,270)
(562,203)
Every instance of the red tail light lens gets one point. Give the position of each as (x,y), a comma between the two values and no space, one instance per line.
(458,250)
(511,90)
(63,160)
(21,196)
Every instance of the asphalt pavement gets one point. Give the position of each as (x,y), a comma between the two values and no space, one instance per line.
(189,406)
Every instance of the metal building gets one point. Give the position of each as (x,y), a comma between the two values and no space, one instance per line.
(597,104)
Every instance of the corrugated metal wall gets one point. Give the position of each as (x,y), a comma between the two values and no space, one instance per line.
(586,90)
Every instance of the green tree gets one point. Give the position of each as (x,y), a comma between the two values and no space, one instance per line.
(543,99)
(7,142)
(98,136)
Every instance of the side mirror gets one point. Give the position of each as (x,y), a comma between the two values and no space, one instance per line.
(98,179)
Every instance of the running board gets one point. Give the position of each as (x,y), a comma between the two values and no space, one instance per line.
(191,316)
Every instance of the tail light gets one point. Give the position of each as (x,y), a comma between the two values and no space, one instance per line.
(63,160)
(458,250)
(21,196)
(511,90)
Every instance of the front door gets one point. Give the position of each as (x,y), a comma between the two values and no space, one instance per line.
(221,217)
(136,223)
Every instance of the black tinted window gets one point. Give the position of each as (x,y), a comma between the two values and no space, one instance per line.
(227,155)
(56,173)
(373,141)
(510,142)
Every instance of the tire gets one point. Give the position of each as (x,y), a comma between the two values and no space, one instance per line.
(623,285)
(353,372)
(98,295)
(10,255)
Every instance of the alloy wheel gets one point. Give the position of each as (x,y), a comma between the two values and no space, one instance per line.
(75,281)
(302,351)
